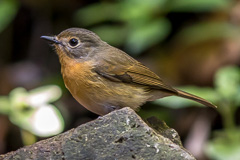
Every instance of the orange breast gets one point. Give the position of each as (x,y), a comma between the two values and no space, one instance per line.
(78,79)
(96,93)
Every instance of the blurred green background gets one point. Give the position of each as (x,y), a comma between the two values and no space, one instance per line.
(192,44)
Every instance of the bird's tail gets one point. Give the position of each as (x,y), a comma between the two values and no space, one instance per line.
(195,98)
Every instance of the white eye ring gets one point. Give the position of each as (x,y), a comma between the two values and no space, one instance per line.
(73,42)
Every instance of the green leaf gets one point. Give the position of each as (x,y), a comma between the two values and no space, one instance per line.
(120,11)
(30,111)
(114,35)
(43,95)
(178,102)
(237,97)
(224,146)
(199,5)
(96,13)
(46,121)
(20,110)
(43,121)
(17,98)
(227,80)
(146,35)
(4,105)
(141,10)
(21,117)
(8,10)
(207,31)
(28,138)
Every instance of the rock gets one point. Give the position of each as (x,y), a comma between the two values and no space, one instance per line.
(119,135)
(161,128)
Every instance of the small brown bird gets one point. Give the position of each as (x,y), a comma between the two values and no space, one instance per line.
(103,78)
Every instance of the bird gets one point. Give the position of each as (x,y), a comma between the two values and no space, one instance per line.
(103,78)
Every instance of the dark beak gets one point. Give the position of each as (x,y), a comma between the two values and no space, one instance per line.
(51,39)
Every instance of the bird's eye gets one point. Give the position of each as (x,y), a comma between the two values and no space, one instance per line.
(73,42)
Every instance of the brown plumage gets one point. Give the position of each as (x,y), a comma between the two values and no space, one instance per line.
(103,78)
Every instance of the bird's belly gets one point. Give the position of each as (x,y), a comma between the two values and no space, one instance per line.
(101,95)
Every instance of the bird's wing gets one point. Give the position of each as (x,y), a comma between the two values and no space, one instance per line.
(127,70)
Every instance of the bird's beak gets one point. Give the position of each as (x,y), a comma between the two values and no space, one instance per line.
(51,39)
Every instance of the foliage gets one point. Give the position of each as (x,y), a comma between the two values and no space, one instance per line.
(225,145)
(139,25)
(207,31)
(32,111)
(8,10)
(226,95)
(199,5)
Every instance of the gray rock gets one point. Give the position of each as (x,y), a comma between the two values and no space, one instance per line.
(120,135)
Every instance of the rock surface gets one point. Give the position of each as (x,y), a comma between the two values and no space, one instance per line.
(120,135)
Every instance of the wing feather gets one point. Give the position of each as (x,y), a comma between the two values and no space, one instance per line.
(128,70)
